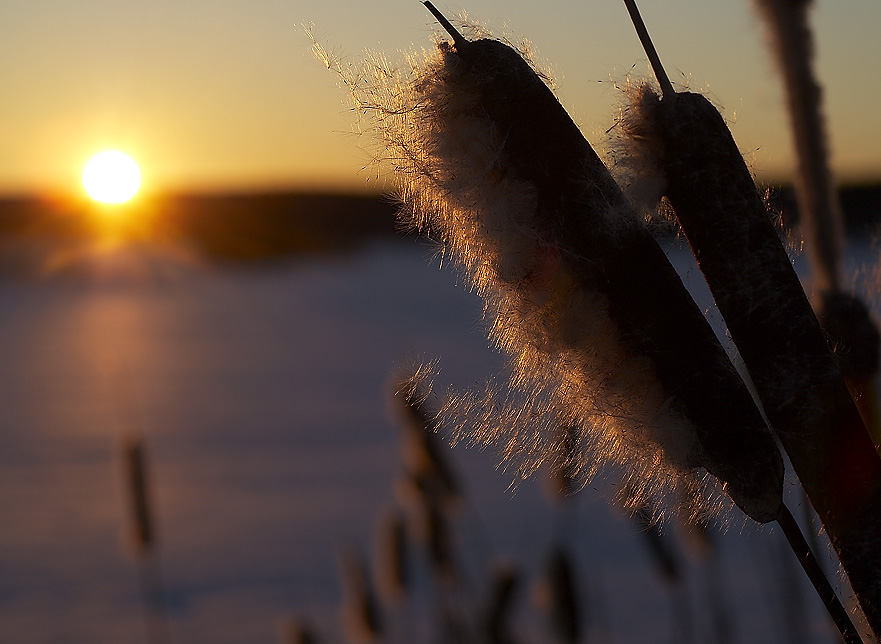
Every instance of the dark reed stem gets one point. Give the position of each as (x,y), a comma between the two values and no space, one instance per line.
(138,494)
(650,51)
(818,579)
(458,39)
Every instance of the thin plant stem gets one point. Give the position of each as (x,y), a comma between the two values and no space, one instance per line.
(818,579)
(651,52)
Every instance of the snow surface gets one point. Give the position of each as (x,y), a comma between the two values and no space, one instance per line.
(263,398)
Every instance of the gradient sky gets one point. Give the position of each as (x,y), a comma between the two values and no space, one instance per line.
(225,94)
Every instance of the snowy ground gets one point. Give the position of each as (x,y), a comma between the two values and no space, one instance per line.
(263,396)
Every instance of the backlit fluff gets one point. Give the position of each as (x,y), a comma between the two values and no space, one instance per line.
(569,364)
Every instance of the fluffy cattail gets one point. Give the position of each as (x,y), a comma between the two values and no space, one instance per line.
(603,336)
(771,322)
(559,596)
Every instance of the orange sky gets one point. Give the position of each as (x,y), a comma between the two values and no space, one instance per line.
(225,95)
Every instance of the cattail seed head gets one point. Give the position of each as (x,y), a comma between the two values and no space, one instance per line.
(425,456)
(601,334)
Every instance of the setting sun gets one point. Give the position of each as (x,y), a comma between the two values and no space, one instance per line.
(111,177)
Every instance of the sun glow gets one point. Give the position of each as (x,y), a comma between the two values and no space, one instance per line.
(111,177)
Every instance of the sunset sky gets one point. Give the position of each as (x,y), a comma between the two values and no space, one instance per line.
(225,95)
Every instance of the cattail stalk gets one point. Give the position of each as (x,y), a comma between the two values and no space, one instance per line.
(843,316)
(143,536)
(771,321)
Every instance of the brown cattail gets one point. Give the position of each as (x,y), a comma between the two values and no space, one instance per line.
(602,334)
(143,532)
(561,597)
(772,323)
(143,538)
(791,41)
(361,613)
(855,340)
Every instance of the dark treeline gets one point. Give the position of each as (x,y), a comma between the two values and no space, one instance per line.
(225,228)
(259,227)
(251,227)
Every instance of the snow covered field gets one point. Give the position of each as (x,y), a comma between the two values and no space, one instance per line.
(263,398)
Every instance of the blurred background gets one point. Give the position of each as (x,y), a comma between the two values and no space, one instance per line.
(235,328)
